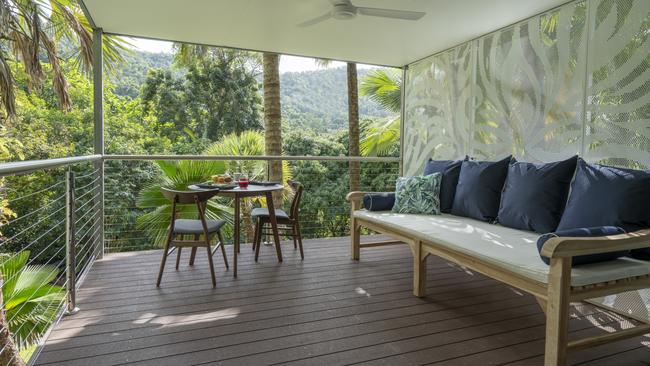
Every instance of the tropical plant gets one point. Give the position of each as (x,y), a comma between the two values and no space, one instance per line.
(380,137)
(384,87)
(177,175)
(31,301)
(29,27)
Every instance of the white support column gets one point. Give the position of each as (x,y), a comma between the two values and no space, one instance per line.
(402,121)
(98,118)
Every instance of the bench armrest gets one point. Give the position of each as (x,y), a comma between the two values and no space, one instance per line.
(565,247)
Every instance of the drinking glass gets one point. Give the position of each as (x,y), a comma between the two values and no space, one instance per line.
(243,181)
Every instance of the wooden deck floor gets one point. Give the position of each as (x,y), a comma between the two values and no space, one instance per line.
(327,310)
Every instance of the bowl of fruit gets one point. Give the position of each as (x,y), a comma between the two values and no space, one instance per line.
(223,181)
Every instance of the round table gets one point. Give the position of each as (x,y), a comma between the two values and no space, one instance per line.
(252,190)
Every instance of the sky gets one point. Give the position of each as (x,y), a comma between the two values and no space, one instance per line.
(287,63)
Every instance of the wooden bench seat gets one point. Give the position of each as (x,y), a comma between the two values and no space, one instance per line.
(510,256)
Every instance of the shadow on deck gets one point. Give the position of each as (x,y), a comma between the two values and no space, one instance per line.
(326,310)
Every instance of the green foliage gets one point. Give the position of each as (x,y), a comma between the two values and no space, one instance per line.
(31,302)
(177,175)
(380,137)
(383,86)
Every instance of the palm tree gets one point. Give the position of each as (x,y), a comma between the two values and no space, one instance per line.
(353,120)
(353,125)
(30,304)
(248,143)
(177,175)
(273,117)
(28,27)
(383,86)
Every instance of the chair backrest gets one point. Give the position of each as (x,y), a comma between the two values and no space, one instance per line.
(297,188)
(185,197)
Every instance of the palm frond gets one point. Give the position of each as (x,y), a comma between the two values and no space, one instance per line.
(380,138)
(75,30)
(10,266)
(31,301)
(177,175)
(384,87)
(59,82)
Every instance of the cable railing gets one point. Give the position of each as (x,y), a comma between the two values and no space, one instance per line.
(324,211)
(49,238)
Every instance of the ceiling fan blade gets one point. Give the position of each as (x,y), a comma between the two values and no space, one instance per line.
(315,20)
(389,13)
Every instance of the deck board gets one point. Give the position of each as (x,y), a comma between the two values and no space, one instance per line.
(326,310)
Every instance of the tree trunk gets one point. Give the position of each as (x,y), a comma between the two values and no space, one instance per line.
(353,123)
(273,119)
(9,355)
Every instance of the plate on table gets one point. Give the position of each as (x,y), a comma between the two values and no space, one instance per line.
(209,185)
(265,184)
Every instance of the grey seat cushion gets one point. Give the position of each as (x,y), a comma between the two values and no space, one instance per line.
(186,226)
(264,212)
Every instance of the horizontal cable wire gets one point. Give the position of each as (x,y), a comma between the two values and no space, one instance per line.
(88,175)
(33,225)
(85,215)
(44,207)
(37,192)
(88,185)
(92,199)
(84,194)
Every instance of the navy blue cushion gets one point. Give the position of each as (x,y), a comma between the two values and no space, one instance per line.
(379,201)
(534,195)
(603,195)
(450,170)
(479,188)
(584,232)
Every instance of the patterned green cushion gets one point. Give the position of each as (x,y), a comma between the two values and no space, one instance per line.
(418,195)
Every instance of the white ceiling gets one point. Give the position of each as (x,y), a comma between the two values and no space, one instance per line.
(271,25)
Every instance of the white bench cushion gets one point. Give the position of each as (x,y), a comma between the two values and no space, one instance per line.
(513,249)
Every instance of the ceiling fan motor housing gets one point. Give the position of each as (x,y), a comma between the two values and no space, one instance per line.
(344,11)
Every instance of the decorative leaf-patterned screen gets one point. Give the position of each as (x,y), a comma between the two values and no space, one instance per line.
(618,93)
(575,80)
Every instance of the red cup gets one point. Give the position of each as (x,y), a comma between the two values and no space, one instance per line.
(243,182)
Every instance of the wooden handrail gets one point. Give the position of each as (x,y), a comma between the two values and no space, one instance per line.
(563,247)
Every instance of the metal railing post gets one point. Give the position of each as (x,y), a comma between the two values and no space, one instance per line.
(70,252)
(99,220)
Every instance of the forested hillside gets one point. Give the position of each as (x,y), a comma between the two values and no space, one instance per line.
(318,101)
(129,77)
(315,100)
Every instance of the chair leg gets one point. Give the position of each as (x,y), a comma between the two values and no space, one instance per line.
(214,280)
(257,229)
(193,253)
(164,259)
(257,238)
(296,228)
(260,227)
(223,249)
(178,257)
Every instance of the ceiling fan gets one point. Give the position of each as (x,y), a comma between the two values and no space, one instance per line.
(344,10)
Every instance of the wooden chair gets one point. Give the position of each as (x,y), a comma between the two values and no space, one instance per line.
(288,224)
(179,229)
